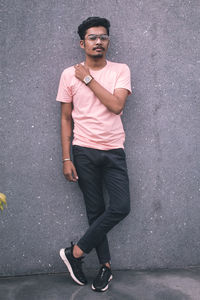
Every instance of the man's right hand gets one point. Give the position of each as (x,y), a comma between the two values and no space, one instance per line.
(69,171)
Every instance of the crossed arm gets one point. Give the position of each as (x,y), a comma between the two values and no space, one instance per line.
(114,102)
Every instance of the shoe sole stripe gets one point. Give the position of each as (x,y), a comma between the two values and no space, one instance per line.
(106,287)
(67,263)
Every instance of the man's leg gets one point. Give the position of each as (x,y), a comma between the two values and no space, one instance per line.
(116,179)
(117,183)
(87,164)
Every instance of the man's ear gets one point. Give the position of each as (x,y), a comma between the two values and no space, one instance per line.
(82,44)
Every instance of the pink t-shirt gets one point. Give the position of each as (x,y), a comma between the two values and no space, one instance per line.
(94,125)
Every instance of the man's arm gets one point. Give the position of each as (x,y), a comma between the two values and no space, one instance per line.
(66,131)
(114,102)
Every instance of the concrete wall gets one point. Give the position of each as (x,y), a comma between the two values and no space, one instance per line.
(159,40)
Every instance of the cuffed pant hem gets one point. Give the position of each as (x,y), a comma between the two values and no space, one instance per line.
(85,250)
(103,261)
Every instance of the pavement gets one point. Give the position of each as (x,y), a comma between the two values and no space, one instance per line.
(162,284)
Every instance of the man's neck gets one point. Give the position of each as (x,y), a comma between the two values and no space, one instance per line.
(95,63)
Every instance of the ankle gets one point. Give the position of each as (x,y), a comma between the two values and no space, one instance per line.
(107,265)
(77,252)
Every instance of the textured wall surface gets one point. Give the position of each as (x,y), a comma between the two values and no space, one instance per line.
(159,40)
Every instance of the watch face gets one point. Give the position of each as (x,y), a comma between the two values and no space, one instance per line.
(87,79)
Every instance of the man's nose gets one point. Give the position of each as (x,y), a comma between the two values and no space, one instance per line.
(98,40)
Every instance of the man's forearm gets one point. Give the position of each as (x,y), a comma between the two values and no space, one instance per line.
(114,102)
(109,100)
(66,132)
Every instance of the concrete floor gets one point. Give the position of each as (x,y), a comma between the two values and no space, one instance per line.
(134,285)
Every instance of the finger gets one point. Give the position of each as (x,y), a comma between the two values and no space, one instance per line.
(75,173)
(69,176)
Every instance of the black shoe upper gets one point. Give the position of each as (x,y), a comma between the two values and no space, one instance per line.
(102,279)
(76,264)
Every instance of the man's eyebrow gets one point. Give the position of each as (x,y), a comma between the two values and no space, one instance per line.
(97,34)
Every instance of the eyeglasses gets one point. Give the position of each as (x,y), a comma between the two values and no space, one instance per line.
(94,37)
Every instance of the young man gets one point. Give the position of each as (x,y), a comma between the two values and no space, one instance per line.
(97,89)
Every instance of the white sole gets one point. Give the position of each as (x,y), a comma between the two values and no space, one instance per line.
(67,263)
(106,287)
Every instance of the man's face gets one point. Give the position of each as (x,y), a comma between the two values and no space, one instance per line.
(96,42)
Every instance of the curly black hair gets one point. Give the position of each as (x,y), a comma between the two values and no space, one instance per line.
(92,22)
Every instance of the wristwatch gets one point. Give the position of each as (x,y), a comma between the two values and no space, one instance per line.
(87,79)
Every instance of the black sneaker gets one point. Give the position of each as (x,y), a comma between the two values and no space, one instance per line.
(100,283)
(73,264)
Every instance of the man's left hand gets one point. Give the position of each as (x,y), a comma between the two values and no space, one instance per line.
(81,71)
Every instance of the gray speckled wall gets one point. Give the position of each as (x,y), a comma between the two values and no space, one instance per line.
(159,40)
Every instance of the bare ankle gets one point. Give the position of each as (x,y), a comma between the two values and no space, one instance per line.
(77,252)
(107,265)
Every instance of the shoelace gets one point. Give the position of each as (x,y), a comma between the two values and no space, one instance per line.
(101,273)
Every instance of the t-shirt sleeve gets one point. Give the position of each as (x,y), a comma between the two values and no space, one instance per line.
(64,89)
(124,79)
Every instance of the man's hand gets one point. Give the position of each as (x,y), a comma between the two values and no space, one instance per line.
(69,171)
(81,71)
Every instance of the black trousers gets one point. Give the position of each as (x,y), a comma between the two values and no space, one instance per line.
(95,167)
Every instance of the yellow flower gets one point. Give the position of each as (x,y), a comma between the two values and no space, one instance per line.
(2,201)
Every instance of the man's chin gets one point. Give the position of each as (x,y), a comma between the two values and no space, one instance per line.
(98,55)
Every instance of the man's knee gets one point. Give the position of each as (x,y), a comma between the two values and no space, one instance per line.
(125,211)
(121,213)
(94,214)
